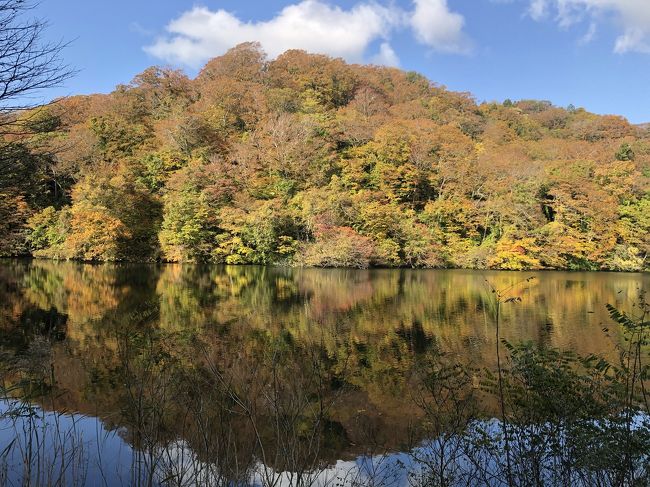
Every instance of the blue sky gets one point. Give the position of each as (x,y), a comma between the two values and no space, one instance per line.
(590,53)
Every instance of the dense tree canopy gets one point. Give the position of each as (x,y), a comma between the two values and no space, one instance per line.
(306,160)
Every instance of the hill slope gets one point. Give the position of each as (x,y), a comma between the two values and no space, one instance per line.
(306,160)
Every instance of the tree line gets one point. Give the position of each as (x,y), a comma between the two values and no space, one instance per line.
(306,160)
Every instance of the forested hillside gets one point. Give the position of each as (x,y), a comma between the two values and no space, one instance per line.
(306,160)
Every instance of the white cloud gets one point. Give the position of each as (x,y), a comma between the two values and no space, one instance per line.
(538,9)
(438,27)
(589,35)
(631,17)
(313,25)
(386,56)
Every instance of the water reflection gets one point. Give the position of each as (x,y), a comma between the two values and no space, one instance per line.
(296,370)
(452,308)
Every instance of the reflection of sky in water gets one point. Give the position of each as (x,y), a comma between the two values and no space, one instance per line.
(81,447)
(75,444)
(88,454)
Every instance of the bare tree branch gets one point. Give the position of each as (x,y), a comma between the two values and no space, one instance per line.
(28,64)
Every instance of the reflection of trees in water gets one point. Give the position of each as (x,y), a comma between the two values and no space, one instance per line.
(372,301)
(453,306)
(292,368)
(277,405)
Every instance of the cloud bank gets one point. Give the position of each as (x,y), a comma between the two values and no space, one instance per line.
(315,26)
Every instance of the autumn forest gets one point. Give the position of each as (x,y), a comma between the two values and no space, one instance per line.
(305,160)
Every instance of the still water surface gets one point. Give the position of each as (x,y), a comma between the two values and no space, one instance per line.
(229,365)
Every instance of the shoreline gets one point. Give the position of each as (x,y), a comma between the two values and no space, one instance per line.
(302,267)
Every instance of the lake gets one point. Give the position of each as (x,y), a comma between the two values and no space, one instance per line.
(246,374)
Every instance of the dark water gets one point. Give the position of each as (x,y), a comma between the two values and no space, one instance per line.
(248,370)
